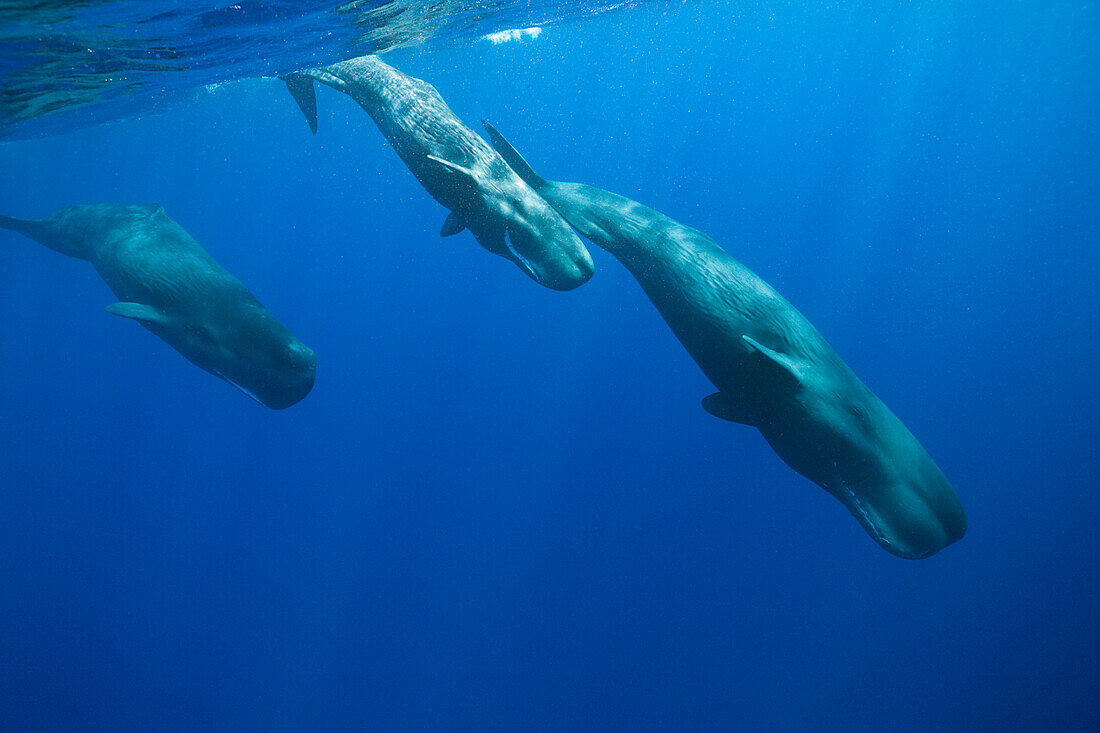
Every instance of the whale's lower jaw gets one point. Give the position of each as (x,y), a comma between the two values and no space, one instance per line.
(243,390)
(863,515)
(522,261)
(935,536)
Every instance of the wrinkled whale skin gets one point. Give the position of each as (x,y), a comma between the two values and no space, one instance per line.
(457,168)
(772,368)
(172,286)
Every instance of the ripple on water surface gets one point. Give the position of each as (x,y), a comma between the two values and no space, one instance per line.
(59,60)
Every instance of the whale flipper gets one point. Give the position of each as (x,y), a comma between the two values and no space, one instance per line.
(512,157)
(455,168)
(782,365)
(452,225)
(138,311)
(723,408)
(301,88)
(460,177)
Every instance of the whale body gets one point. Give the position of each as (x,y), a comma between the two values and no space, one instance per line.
(457,168)
(172,286)
(772,368)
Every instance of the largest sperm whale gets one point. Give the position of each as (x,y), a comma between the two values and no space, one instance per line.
(772,368)
(456,167)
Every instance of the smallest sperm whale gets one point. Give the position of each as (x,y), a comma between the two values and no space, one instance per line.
(772,368)
(166,282)
(457,168)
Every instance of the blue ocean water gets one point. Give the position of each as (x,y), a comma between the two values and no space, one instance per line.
(501,507)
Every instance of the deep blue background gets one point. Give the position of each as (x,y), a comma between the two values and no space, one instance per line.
(502,508)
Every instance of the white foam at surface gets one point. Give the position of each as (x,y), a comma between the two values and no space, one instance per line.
(514,34)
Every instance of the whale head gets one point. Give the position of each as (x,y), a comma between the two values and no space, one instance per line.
(261,358)
(533,236)
(882,474)
(237,339)
(277,377)
(508,218)
(828,426)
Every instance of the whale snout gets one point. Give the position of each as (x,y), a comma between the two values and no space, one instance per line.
(303,357)
(280,381)
(297,381)
(555,259)
(913,517)
(568,271)
(915,540)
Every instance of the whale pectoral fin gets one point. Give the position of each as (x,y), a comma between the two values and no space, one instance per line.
(512,157)
(137,311)
(301,88)
(723,408)
(452,225)
(468,176)
(783,366)
(460,178)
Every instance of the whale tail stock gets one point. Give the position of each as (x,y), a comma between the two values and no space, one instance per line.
(512,157)
(51,232)
(32,228)
(301,88)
